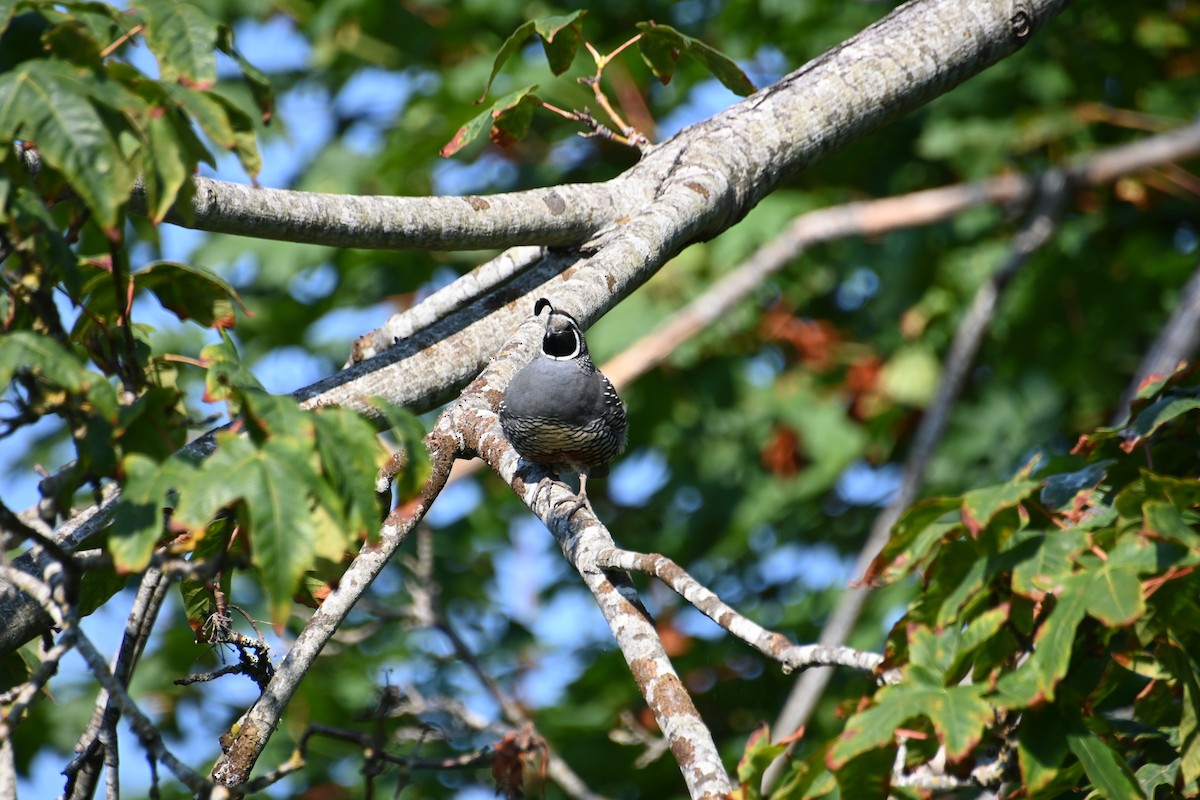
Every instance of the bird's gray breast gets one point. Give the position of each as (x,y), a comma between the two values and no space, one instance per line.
(555,390)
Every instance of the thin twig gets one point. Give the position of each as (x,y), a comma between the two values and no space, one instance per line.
(629,134)
(120,40)
(769,643)
(32,687)
(103,725)
(259,722)
(424,611)
(146,731)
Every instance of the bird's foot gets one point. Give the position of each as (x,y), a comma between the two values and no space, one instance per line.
(581,502)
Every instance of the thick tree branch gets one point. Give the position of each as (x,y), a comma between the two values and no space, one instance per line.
(558,215)
(582,538)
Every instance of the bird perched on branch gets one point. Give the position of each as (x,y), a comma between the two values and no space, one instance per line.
(559,410)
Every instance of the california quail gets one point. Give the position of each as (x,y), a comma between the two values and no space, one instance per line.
(559,410)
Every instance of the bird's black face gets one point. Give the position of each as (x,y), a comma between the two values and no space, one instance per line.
(563,339)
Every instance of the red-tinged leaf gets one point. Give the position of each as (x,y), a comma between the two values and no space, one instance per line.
(1087,443)
(1142,663)
(1036,679)
(960,717)
(913,536)
(979,507)
(511,124)
(1153,385)
(485,119)
(661,46)
(1156,415)
(192,292)
(759,754)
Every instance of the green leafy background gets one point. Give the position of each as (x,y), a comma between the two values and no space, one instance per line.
(740,443)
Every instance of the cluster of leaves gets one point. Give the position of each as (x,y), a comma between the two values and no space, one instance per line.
(303,496)
(661,46)
(100,124)
(97,125)
(1056,629)
(292,489)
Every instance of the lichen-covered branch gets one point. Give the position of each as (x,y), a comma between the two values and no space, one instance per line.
(770,643)
(582,538)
